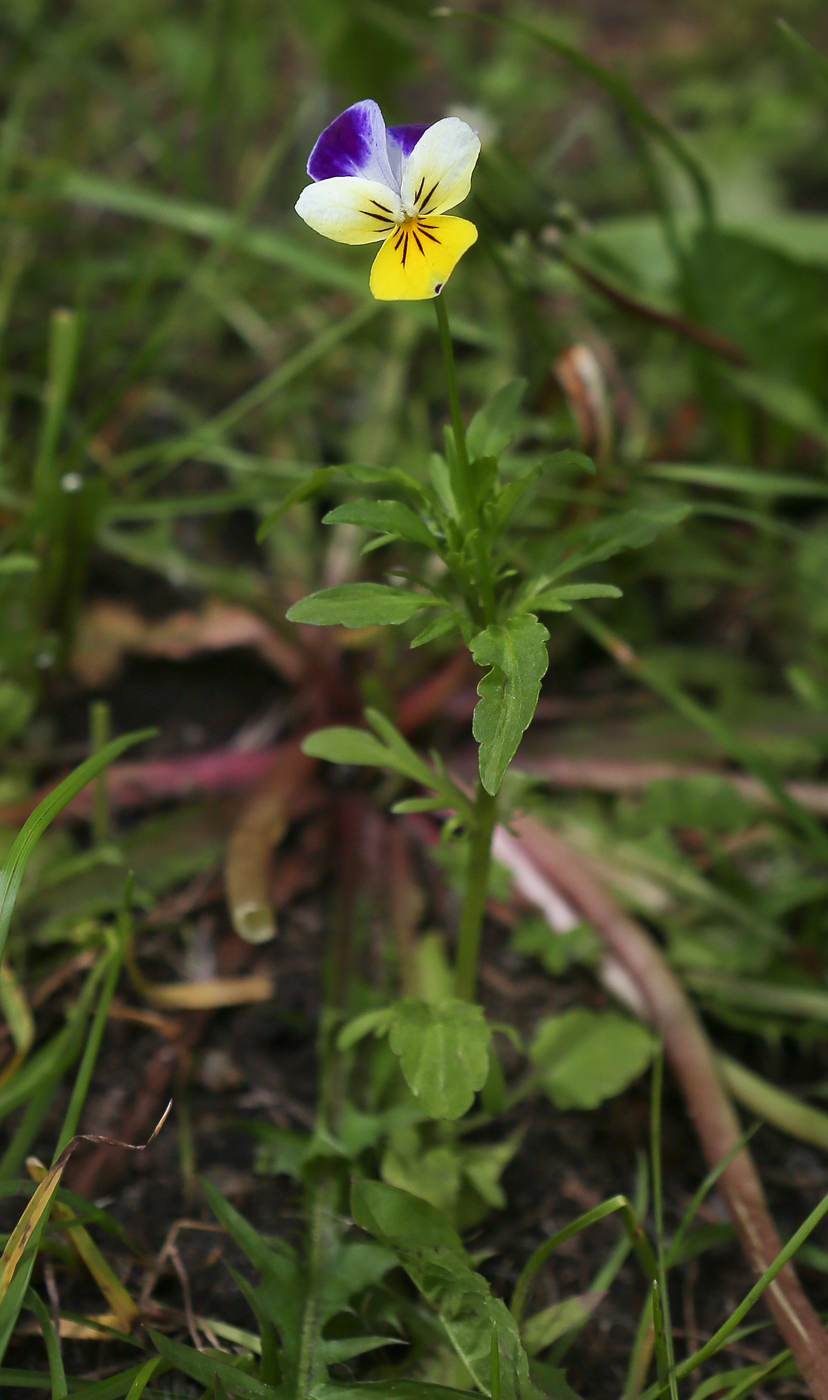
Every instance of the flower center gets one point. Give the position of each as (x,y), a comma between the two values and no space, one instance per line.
(415,234)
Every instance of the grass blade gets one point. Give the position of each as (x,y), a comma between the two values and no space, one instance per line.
(50,1337)
(29,835)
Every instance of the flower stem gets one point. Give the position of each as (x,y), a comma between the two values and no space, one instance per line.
(485,806)
(462,480)
(474,898)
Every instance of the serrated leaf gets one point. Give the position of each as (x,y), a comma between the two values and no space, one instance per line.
(387,517)
(433,1256)
(516,652)
(444,1053)
(359,605)
(493,426)
(584,1057)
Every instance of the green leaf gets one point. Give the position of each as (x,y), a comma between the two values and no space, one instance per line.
(493,426)
(752,483)
(35,825)
(369,1023)
(19,564)
(359,605)
(540,1331)
(417,804)
(208,1369)
(387,517)
(600,540)
(441,481)
(341,744)
(584,1057)
(561,599)
(444,1053)
(782,399)
(433,1256)
(812,56)
(516,652)
(557,951)
(315,483)
(440,626)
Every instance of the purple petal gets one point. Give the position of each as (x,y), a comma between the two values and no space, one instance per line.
(406,137)
(353,144)
(401,142)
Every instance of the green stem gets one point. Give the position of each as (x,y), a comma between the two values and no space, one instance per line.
(462,480)
(100,726)
(474,900)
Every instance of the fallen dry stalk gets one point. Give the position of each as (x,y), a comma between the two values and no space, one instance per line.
(622,775)
(664,1003)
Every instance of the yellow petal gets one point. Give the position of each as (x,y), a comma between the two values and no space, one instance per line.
(416,261)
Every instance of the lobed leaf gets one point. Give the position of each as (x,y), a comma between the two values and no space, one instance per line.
(444,1052)
(516,652)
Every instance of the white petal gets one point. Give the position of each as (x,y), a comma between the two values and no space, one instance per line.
(349,209)
(439,169)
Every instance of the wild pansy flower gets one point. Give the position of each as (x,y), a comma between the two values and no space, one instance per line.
(393,185)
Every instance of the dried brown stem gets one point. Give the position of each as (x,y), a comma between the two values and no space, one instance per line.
(691,1057)
(689,330)
(622,775)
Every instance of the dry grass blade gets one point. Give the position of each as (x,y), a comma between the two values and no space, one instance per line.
(124,1309)
(42,1198)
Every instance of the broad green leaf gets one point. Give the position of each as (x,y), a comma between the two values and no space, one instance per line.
(782,399)
(584,1057)
(434,1176)
(444,1053)
(493,426)
(516,652)
(433,1256)
(359,605)
(768,304)
(388,517)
